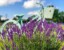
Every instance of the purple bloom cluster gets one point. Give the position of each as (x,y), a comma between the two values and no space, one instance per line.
(28,29)
(48,27)
(60,33)
(10,30)
(39,26)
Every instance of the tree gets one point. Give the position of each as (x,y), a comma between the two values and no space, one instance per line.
(61,15)
(50,6)
(56,16)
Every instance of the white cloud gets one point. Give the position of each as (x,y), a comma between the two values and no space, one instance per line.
(6,2)
(31,3)
(32,13)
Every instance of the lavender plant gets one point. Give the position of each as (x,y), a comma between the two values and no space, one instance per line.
(25,38)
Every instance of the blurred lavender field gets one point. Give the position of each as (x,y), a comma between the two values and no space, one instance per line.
(35,35)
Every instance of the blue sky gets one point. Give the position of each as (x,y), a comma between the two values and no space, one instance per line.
(21,7)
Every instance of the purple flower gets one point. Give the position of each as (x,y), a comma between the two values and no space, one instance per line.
(29,27)
(45,25)
(10,34)
(3,33)
(60,35)
(40,24)
(23,28)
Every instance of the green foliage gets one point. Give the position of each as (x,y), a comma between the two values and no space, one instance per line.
(61,15)
(56,16)
(39,41)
